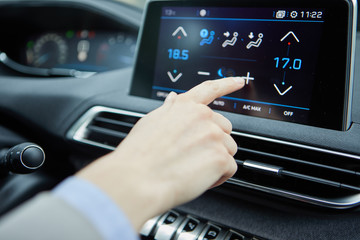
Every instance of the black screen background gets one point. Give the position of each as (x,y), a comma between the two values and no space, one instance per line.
(259,93)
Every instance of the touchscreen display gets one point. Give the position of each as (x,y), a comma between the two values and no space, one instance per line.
(275,51)
(296,56)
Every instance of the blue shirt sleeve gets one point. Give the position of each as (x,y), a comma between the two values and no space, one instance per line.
(107,218)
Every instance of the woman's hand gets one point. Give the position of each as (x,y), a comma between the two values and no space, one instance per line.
(171,156)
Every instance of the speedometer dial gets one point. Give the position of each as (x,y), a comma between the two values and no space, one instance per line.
(48,51)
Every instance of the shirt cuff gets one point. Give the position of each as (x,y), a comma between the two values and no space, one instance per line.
(106,217)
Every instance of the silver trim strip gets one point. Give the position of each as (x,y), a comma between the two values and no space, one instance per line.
(347,117)
(336,203)
(78,130)
(298,145)
(258,166)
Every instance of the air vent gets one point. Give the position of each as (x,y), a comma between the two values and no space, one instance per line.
(309,174)
(313,175)
(104,127)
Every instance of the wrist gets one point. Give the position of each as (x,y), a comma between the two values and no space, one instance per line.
(131,190)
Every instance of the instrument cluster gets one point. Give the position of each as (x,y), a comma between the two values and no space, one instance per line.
(80,49)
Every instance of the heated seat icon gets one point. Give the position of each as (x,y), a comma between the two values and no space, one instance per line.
(232,41)
(206,40)
(256,43)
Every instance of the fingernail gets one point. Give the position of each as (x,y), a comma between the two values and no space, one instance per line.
(239,80)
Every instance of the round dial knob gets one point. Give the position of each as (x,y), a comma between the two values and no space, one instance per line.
(25,158)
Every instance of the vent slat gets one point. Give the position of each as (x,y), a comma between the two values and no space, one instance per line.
(297,151)
(98,137)
(310,178)
(107,132)
(265,154)
(345,186)
(114,122)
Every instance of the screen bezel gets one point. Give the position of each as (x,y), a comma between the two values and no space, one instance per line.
(331,107)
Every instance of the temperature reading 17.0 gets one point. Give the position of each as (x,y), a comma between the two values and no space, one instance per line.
(287,63)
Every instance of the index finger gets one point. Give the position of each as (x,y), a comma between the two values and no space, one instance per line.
(208,91)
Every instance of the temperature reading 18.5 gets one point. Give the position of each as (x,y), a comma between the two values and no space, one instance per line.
(287,63)
(178,54)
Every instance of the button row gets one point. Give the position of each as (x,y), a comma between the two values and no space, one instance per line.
(175,226)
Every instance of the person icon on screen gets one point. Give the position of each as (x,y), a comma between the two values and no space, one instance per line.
(208,40)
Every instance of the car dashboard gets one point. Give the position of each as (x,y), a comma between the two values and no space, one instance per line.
(293,181)
(70,38)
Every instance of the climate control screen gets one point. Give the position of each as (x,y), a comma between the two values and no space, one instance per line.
(275,51)
(294,59)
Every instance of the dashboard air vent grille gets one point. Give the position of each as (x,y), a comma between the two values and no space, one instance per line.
(310,174)
(104,128)
(306,173)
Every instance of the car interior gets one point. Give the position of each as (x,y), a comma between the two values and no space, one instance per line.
(76,76)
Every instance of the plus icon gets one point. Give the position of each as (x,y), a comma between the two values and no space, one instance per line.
(248,78)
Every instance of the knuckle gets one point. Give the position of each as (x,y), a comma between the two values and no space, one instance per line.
(207,83)
(204,111)
(220,152)
(227,125)
(230,126)
(221,156)
(234,150)
(215,87)
(181,98)
(233,146)
(233,167)
(223,122)
(212,86)
(215,133)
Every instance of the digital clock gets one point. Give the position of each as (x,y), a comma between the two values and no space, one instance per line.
(311,14)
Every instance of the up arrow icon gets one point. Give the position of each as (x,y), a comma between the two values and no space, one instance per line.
(288,34)
(178,30)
